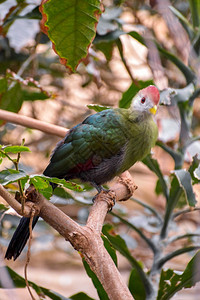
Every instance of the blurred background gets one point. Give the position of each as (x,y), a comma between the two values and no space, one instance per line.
(117,65)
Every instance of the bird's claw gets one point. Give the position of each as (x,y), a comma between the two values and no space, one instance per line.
(109,198)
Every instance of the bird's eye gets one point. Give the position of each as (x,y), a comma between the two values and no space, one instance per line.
(143,100)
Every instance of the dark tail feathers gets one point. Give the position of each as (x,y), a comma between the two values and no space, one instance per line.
(19,238)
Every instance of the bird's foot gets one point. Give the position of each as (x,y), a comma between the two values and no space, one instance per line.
(102,189)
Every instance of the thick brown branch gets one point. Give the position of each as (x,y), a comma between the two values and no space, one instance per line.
(32,123)
(86,239)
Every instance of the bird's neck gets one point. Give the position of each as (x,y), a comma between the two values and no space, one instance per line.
(137,116)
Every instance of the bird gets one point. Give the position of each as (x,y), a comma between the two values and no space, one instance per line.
(103,146)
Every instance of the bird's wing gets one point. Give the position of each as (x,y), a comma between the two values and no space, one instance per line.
(98,137)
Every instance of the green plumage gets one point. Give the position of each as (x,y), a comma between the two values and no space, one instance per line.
(101,147)
(124,133)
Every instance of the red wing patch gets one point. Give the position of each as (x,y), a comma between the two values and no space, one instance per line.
(82,167)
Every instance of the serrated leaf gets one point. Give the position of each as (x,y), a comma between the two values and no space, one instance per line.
(100,290)
(70,25)
(171,282)
(15,149)
(131,92)
(97,107)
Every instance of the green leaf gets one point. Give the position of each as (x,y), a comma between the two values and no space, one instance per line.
(3,207)
(136,286)
(187,72)
(153,165)
(62,193)
(194,170)
(100,290)
(177,156)
(197,173)
(10,175)
(184,21)
(110,249)
(137,37)
(42,186)
(70,25)
(106,48)
(195,12)
(109,37)
(67,184)
(171,282)
(15,149)
(131,92)
(185,183)
(97,107)
(181,192)
(32,96)
(19,282)
(81,296)
(141,234)
(3,85)
(120,245)
(12,99)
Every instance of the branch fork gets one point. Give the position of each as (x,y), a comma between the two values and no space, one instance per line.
(86,239)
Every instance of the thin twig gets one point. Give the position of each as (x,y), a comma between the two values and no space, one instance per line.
(151,245)
(28,255)
(32,123)
(184,211)
(171,255)
(183,236)
(150,208)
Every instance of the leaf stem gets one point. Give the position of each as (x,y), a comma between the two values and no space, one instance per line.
(171,255)
(179,237)
(184,211)
(120,48)
(170,206)
(154,211)
(141,234)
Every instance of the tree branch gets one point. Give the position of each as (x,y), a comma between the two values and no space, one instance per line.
(32,123)
(86,239)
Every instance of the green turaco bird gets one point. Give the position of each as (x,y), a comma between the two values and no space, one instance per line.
(101,147)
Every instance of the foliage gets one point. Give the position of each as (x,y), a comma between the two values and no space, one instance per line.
(19,282)
(72,30)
